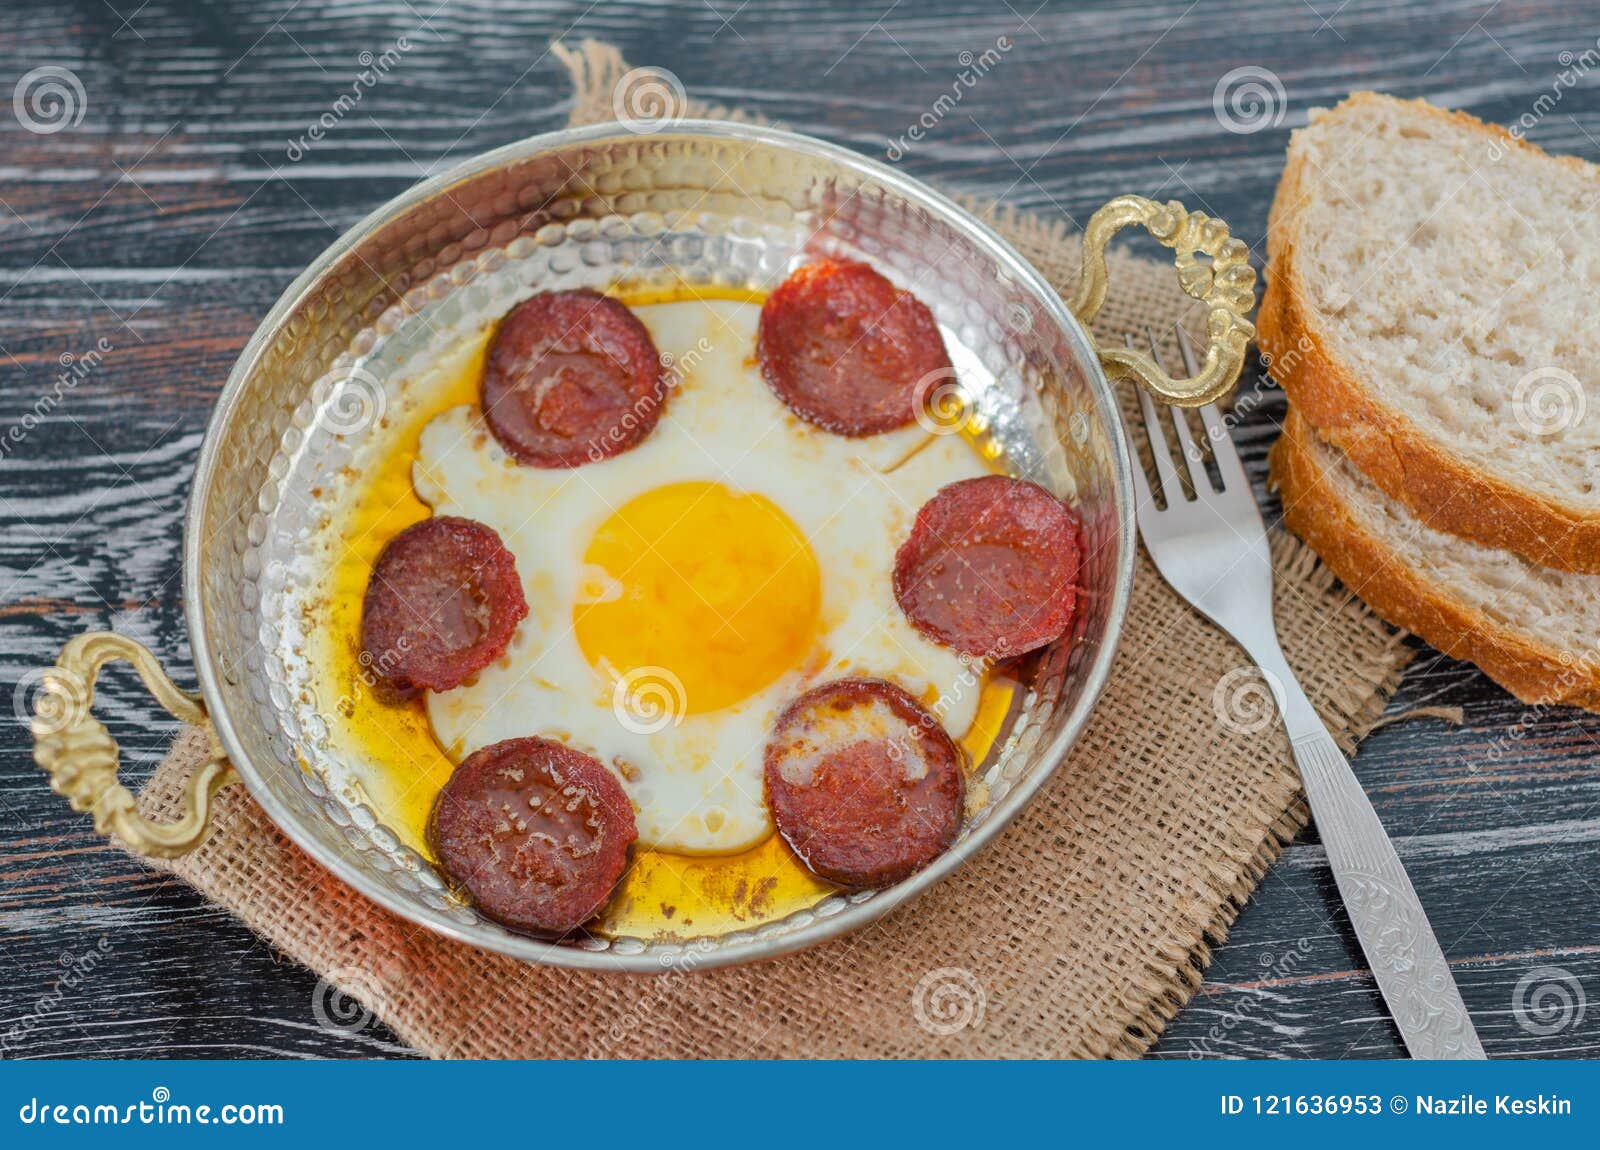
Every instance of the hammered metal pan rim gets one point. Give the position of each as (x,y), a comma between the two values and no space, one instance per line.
(711,954)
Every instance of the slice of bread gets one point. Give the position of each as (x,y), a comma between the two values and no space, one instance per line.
(1533,630)
(1430,310)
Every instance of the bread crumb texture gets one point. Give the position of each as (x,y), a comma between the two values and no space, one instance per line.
(1454,269)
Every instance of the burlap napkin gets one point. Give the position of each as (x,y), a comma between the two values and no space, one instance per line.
(1080,931)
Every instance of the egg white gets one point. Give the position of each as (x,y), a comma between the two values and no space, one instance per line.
(696,781)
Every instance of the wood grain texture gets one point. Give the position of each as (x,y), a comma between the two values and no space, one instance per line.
(168,220)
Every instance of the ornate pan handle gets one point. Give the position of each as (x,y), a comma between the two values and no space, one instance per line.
(80,756)
(1228,285)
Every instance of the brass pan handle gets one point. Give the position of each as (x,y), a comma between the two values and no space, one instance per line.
(1228,285)
(80,756)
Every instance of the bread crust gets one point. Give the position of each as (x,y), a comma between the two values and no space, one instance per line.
(1314,510)
(1406,463)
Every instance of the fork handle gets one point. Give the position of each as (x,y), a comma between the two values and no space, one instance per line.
(1389,920)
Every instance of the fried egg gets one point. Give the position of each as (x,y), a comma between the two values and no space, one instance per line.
(682,592)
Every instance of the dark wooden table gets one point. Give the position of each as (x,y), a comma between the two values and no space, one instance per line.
(168,219)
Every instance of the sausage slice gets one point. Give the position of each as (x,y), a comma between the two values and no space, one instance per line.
(573,377)
(535,832)
(864,784)
(847,350)
(442,603)
(990,567)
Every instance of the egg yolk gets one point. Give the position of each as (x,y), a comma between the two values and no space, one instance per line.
(715,588)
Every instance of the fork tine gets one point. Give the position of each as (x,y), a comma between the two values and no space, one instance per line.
(1191,454)
(1222,449)
(1144,503)
(1171,485)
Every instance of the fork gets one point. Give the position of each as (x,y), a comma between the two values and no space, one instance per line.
(1212,549)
